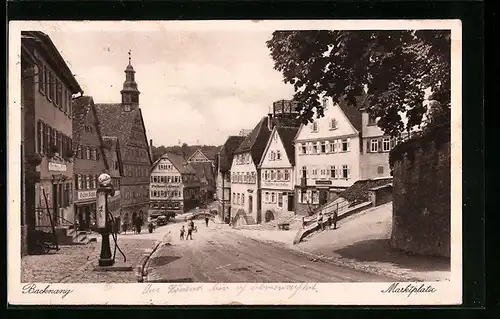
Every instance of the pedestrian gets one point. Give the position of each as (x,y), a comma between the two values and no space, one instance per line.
(335,217)
(329,221)
(190,230)
(182,232)
(206,221)
(320,221)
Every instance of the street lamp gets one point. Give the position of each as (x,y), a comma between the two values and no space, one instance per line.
(104,190)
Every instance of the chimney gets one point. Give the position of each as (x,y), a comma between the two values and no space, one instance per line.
(270,121)
(151,147)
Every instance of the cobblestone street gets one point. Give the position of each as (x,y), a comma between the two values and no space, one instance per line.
(75,264)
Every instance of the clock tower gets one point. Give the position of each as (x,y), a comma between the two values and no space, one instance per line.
(130,93)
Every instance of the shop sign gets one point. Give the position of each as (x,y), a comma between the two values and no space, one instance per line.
(86,194)
(57,167)
(323,182)
(277,184)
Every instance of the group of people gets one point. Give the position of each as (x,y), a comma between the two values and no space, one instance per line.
(190,229)
(330,220)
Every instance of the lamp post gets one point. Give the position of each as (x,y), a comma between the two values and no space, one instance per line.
(103,223)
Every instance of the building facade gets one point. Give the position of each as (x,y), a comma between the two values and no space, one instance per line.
(204,168)
(47,88)
(331,154)
(89,161)
(174,186)
(224,162)
(124,121)
(277,173)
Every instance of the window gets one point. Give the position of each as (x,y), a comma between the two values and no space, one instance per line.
(332,147)
(315,148)
(345,145)
(272,156)
(242,199)
(238,198)
(333,124)
(322,172)
(273,175)
(323,147)
(279,175)
(70,106)
(386,144)
(332,172)
(94,154)
(380,170)
(287,175)
(273,197)
(41,79)
(324,102)
(79,153)
(372,120)
(345,171)
(315,197)
(280,200)
(314,127)
(315,172)
(50,85)
(39,137)
(304,172)
(303,148)
(374,145)
(155,179)
(57,96)
(87,152)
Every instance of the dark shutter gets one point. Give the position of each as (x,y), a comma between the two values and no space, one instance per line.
(97,153)
(380,145)
(368,149)
(39,136)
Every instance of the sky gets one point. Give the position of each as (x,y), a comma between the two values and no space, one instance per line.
(197,87)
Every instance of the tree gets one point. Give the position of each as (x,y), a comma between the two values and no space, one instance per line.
(391,68)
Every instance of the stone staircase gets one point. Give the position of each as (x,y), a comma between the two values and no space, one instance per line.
(67,235)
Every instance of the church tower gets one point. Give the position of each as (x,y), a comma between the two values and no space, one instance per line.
(130,93)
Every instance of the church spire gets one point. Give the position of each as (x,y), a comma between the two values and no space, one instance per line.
(130,93)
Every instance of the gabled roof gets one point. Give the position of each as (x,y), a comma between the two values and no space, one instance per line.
(354,112)
(255,142)
(112,145)
(198,151)
(178,161)
(227,152)
(287,135)
(82,107)
(115,121)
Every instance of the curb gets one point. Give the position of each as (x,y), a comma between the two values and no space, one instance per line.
(141,266)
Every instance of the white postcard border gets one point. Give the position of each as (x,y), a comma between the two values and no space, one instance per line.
(446,293)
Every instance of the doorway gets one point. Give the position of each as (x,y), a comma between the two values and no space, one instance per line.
(291,203)
(250,204)
(323,197)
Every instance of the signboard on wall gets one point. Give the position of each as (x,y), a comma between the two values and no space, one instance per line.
(57,167)
(277,184)
(86,194)
(323,182)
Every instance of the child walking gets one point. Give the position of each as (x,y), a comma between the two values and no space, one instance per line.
(182,232)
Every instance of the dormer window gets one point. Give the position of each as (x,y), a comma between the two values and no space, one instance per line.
(278,155)
(333,124)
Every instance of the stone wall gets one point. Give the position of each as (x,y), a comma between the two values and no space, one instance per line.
(422,194)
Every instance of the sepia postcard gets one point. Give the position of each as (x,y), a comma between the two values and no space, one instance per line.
(298,162)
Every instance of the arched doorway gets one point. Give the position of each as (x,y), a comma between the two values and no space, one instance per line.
(269,216)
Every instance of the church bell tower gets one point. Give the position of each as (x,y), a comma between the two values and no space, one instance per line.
(130,93)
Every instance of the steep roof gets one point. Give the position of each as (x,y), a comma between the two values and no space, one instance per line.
(256,141)
(112,145)
(227,152)
(287,135)
(354,112)
(82,107)
(178,161)
(115,121)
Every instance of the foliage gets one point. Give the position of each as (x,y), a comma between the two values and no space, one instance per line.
(394,67)
(33,159)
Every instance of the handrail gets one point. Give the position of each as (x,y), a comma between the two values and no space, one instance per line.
(313,218)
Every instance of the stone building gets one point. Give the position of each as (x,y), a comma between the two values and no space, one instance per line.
(47,86)
(174,186)
(223,179)
(89,161)
(335,151)
(125,122)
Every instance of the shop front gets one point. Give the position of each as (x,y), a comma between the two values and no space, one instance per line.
(85,208)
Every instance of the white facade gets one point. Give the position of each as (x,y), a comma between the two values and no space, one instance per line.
(244,186)
(277,178)
(166,185)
